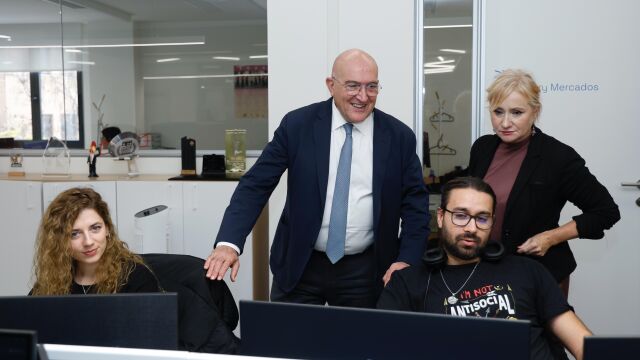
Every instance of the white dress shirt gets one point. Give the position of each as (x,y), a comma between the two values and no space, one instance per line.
(360,212)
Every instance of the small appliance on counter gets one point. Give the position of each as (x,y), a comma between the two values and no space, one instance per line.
(124,146)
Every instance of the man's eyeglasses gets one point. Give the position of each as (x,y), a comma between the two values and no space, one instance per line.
(353,87)
(459,218)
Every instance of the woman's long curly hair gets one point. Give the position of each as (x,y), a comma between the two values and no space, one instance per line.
(54,267)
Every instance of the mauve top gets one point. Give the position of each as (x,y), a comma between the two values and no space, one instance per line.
(502,175)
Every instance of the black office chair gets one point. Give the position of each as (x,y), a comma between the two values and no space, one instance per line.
(207,312)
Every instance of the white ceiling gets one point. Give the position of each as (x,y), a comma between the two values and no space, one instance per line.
(48,11)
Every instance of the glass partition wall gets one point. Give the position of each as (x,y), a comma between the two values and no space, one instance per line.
(32,82)
(448,88)
(163,69)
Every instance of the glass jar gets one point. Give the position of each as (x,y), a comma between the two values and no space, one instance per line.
(235,150)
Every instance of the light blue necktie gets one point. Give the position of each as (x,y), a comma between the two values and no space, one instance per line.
(340,204)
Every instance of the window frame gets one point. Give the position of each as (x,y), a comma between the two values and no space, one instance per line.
(36,111)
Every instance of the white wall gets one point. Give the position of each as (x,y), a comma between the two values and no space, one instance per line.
(595,44)
(306,36)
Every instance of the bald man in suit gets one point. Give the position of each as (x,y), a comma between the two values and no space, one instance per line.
(343,144)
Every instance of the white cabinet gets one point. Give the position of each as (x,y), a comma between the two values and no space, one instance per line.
(195,210)
(106,189)
(20,213)
(135,196)
(204,205)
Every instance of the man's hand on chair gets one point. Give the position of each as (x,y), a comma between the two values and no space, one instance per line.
(221,259)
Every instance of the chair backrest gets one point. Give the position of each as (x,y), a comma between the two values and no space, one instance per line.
(207,312)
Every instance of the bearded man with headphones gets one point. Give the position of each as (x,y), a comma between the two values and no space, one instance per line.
(466,275)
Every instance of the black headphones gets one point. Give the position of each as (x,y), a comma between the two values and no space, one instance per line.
(435,258)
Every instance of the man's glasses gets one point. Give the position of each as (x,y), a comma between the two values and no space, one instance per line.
(459,218)
(353,87)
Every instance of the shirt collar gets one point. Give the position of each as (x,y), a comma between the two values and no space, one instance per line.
(337,121)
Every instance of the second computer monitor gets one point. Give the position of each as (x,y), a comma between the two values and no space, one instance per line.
(119,320)
(323,332)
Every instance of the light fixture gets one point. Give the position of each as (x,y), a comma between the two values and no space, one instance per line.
(6,37)
(258,56)
(81,62)
(73,50)
(438,67)
(230,58)
(439,70)
(438,63)
(456,51)
(102,45)
(167,60)
(447,26)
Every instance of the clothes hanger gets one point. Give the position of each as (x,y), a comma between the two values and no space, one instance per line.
(441,148)
(440,115)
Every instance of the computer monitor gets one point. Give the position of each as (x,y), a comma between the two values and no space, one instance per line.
(122,320)
(324,332)
(611,347)
(18,344)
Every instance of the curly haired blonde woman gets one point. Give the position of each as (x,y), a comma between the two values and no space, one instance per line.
(79,252)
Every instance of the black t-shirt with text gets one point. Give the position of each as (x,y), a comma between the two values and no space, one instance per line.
(512,288)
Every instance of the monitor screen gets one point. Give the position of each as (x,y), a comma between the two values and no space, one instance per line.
(324,332)
(610,347)
(17,344)
(123,320)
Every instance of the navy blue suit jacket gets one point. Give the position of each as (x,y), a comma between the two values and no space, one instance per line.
(301,145)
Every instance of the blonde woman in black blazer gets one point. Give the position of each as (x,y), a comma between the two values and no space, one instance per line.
(550,173)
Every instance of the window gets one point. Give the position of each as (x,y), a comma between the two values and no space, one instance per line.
(165,69)
(15,105)
(35,106)
(448,117)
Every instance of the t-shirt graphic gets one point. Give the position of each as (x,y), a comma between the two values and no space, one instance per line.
(489,301)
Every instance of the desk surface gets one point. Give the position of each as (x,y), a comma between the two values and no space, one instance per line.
(105,177)
(84,177)
(74,352)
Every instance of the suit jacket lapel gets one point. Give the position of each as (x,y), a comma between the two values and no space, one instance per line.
(322,144)
(529,164)
(381,145)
